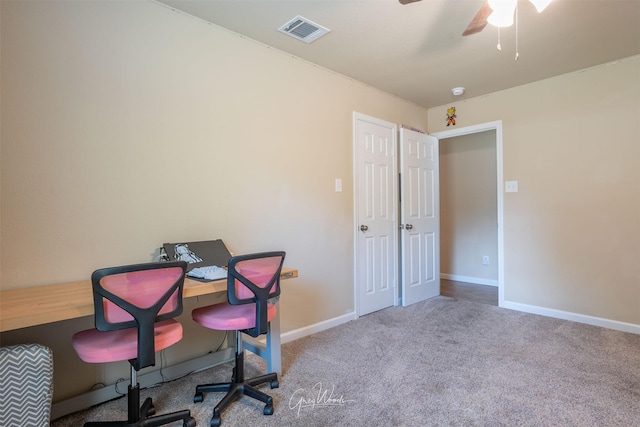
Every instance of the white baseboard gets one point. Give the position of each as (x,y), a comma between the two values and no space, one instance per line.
(467,279)
(574,317)
(318,327)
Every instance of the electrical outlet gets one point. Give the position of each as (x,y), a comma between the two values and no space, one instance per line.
(511,187)
(485,260)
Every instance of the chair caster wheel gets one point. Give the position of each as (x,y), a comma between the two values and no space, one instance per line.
(215,421)
(199,397)
(274,384)
(268,410)
(189,422)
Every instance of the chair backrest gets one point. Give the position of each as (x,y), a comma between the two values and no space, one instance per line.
(138,296)
(254,279)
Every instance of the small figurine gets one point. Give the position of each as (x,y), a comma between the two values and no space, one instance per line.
(451,116)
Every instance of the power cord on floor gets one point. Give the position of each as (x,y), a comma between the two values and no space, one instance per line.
(162,364)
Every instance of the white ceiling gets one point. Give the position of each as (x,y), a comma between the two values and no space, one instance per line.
(417,51)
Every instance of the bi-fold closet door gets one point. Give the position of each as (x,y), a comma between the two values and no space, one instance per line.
(419,217)
(396,215)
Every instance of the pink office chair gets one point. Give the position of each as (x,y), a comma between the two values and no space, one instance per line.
(134,310)
(251,281)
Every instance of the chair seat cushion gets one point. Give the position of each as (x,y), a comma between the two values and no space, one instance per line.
(94,346)
(227,317)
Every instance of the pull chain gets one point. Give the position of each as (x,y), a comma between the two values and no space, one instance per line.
(517,50)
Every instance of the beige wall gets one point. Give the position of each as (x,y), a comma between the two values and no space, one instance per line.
(469,207)
(126,125)
(572,232)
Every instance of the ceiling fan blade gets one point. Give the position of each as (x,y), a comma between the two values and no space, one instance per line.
(479,21)
(407,1)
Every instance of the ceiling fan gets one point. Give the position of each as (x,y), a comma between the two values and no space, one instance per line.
(497,12)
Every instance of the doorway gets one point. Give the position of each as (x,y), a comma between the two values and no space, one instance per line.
(484,263)
(468,209)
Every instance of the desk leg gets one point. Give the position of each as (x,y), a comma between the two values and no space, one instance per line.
(274,353)
(271,352)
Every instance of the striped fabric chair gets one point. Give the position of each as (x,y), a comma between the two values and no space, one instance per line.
(26,385)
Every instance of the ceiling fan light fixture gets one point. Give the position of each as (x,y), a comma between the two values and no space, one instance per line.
(540,4)
(503,11)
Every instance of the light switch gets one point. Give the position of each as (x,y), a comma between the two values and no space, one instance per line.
(338,185)
(511,187)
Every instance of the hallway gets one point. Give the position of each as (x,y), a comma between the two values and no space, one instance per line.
(469,291)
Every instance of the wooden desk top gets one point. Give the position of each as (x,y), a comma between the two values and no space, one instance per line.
(24,307)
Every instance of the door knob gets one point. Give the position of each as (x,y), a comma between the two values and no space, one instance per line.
(363,228)
(408,226)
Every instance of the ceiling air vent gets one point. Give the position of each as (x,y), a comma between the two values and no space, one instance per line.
(303,29)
